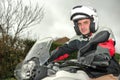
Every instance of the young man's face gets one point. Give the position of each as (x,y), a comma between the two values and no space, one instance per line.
(84,26)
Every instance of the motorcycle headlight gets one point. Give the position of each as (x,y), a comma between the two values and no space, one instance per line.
(27,70)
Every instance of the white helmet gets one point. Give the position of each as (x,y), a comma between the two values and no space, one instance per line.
(82,12)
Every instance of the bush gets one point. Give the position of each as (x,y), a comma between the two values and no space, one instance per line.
(117,57)
(11,57)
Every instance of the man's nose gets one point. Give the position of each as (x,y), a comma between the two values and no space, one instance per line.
(82,26)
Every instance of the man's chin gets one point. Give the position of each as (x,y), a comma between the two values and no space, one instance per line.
(84,33)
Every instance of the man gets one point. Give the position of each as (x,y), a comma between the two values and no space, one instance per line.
(85,21)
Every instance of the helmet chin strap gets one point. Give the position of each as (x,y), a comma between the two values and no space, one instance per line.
(86,35)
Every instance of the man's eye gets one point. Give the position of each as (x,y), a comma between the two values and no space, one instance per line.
(79,24)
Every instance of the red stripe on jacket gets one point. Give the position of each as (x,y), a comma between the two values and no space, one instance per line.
(109,45)
(62,57)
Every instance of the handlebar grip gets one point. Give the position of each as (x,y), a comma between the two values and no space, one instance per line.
(102,64)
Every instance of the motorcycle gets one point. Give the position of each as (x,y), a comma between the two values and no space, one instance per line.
(35,66)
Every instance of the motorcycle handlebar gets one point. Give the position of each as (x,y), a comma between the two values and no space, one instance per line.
(75,63)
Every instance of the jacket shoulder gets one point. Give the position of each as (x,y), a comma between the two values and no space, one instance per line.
(109,30)
(76,37)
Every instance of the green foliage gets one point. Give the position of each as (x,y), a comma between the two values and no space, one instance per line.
(9,61)
(117,57)
(11,57)
(55,45)
(28,44)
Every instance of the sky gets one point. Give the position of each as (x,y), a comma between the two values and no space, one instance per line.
(56,22)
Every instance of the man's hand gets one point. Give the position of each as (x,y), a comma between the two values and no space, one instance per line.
(88,59)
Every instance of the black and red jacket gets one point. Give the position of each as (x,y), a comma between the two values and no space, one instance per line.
(78,42)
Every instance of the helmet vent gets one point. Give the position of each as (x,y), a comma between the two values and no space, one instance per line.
(77,6)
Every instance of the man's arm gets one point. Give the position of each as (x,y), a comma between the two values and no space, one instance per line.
(110,43)
(63,51)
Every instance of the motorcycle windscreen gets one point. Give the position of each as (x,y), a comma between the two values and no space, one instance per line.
(40,50)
